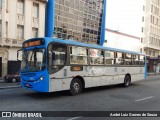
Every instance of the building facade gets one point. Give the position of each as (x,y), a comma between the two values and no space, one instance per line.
(151,32)
(123,41)
(78,20)
(19,20)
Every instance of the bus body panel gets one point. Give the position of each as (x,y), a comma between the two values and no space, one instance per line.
(32,81)
(93,78)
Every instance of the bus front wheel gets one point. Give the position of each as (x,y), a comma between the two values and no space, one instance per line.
(75,86)
(127,81)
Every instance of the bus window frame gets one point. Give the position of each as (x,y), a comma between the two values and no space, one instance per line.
(113,58)
(102,50)
(116,56)
(138,60)
(126,59)
(66,57)
(144,60)
(69,55)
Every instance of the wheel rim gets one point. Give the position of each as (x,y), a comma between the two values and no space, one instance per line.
(76,87)
(127,81)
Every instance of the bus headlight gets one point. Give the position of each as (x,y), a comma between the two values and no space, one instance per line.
(41,78)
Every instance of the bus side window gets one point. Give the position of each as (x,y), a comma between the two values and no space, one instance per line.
(128,59)
(109,57)
(142,59)
(119,58)
(135,59)
(78,55)
(96,57)
(57,57)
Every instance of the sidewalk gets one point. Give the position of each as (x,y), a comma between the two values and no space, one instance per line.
(153,74)
(4,85)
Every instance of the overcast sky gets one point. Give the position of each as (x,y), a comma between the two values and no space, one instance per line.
(124,16)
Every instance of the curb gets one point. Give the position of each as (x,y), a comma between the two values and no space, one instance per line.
(8,87)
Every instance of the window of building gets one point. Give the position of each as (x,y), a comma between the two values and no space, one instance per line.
(6,5)
(6,31)
(34,32)
(143,19)
(143,8)
(21,7)
(0,4)
(20,32)
(80,17)
(0,28)
(154,53)
(150,52)
(142,30)
(35,11)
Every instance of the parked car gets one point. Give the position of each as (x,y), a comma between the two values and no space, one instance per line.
(12,78)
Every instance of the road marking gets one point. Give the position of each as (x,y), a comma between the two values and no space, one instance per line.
(74,118)
(144,98)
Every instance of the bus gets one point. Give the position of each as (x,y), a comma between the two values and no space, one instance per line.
(50,64)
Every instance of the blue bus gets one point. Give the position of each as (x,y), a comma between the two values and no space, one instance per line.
(50,64)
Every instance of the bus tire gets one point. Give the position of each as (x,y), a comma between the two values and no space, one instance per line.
(127,81)
(75,86)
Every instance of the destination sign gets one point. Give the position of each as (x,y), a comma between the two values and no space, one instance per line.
(33,43)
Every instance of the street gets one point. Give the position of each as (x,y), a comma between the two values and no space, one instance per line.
(140,96)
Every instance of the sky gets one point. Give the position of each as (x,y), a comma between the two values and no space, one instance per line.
(124,16)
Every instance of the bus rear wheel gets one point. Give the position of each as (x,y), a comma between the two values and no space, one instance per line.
(127,81)
(75,86)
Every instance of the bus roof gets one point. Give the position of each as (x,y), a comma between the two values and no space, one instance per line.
(71,42)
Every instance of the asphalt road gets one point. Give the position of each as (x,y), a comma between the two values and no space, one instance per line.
(140,96)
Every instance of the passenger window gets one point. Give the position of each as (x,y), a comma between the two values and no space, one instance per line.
(142,59)
(135,59)
(78,55)
(128,59)
(96,57)
(57,57)
(119,58)
(109,58)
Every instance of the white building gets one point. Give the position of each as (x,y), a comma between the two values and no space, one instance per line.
(151,33)
(121,40)
(151,28)
(124,23)
(19,20)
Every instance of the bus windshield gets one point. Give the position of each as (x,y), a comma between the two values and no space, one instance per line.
(33,60)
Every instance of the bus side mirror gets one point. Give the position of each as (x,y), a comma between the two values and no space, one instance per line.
(18,54)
